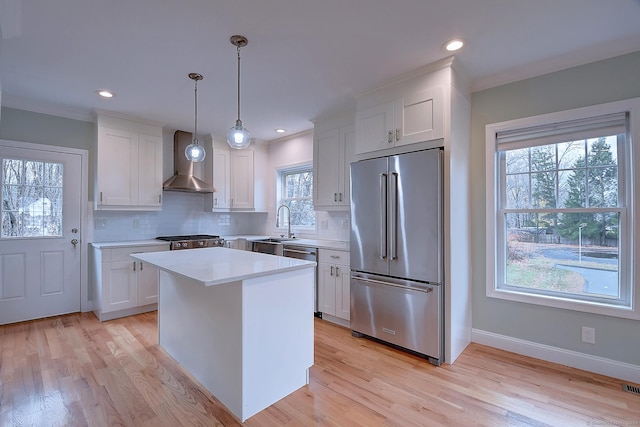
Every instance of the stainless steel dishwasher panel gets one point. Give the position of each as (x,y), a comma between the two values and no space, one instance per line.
(401,312)
(309,254)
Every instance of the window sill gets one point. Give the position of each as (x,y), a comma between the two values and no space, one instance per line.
(624,312)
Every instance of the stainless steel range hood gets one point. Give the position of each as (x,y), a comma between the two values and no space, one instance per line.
(184,178)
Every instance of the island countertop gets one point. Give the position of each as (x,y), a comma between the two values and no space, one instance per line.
(214,266)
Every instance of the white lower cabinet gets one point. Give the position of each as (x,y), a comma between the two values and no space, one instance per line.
(334,296)
(123,286)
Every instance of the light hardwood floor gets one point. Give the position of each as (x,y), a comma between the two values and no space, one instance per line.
(74,371)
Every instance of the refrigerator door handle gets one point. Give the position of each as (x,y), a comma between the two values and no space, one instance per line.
(393,223)
(383,216)
(395,285)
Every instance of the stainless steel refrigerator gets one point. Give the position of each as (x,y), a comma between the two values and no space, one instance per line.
(396,251)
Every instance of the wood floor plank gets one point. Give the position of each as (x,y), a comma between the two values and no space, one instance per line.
(74,370)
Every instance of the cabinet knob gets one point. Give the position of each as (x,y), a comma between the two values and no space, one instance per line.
(390,137)
(134,266)
(335,197)
(332,267)
(397,134)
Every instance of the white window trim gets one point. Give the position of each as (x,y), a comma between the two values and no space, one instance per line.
(280,186)
(631,273)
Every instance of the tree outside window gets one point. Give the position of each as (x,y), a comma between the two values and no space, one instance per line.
(557,210)
(296,192)
(31,198)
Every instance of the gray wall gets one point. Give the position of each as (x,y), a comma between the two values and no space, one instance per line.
(37,128)
(596,83)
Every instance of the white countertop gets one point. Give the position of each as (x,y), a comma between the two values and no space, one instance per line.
(128,243)
(316,243)
(214,266)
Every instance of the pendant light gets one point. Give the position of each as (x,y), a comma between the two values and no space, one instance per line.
(238,136)
(194,151)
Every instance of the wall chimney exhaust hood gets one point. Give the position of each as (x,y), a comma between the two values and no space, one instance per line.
(184,178)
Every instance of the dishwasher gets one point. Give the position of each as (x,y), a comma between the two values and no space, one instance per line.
(309,254)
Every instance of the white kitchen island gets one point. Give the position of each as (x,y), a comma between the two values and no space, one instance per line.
(240,322)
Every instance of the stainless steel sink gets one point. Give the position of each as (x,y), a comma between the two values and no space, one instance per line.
(276,239)
(268,246)
(271,245)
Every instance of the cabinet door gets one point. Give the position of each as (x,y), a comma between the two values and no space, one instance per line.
(117,168)
(119,287)
(348,140)
(221,177)
(419,117)
(375,128)
(326,289)
(327,173)
(242,179)
(148,279)
(149,170)
(343,292)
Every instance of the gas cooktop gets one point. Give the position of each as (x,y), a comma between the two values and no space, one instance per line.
(193,241)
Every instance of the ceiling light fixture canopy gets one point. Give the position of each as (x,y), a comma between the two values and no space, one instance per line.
(194,151)
(238,136)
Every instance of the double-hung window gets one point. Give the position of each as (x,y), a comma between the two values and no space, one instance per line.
(296,192)
(560,202)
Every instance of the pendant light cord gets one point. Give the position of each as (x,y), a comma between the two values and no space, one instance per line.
(238,83)
(195,126)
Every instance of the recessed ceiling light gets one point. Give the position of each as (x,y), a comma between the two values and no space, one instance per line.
(453,45)
(280,130)
(105,93)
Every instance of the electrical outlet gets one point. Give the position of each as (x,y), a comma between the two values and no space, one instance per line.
(345,224)
(588,335)
(99,223)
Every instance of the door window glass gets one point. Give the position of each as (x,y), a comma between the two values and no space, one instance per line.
(31,198)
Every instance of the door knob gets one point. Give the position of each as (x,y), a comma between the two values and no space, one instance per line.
(74,242)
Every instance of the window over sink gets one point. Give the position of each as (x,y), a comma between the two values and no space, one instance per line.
(295,190)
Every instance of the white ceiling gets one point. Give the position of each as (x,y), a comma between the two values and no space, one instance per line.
(304,57)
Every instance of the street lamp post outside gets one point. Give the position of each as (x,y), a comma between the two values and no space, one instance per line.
(580,227)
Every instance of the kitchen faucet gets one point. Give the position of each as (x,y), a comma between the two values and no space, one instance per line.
(289,235)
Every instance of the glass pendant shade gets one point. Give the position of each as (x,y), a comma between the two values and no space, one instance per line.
(195,152)
(238,136)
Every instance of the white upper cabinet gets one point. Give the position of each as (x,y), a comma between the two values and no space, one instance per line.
(333,148)
(242,180)
(129,165)
(221,179)
(233,176)
(413,117)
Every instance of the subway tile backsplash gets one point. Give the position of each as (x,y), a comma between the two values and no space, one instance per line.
(183,213)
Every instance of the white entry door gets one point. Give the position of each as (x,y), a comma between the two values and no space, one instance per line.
(40,250)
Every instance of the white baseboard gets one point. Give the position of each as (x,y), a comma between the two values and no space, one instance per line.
(574,359)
